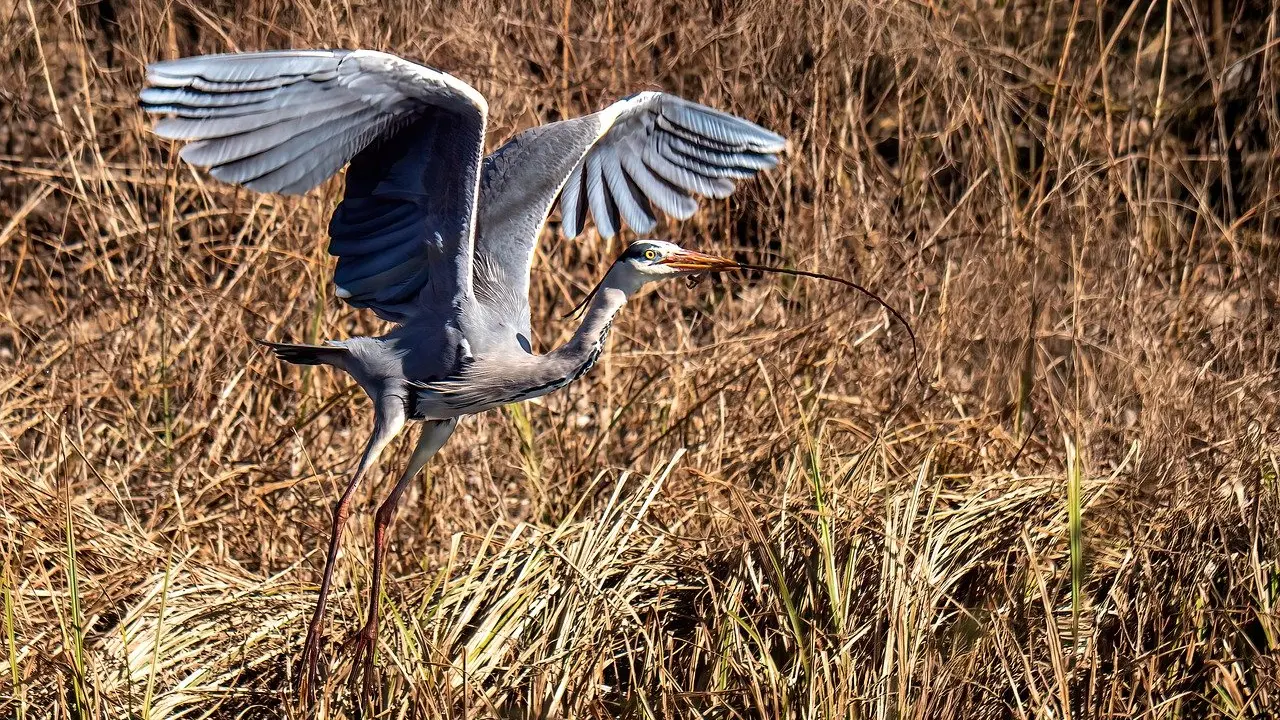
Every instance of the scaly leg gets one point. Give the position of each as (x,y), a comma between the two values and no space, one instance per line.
(433,437)
(388,422)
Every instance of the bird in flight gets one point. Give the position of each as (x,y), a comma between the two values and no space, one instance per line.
(438,238)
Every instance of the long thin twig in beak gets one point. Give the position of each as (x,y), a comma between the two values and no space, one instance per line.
(689,260)
(915,348)
(698,263)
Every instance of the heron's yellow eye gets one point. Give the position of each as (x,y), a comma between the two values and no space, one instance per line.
(650,254)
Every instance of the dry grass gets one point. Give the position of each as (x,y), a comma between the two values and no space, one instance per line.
(749,509)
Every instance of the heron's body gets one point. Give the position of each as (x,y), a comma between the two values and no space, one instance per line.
(436,375)
(437,238)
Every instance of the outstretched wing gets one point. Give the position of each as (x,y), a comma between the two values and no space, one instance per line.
(652,150)
(285,121)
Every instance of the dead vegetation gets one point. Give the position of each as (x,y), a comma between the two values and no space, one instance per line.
(749,509)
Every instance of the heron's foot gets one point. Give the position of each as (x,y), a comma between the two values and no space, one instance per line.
(364,670)
(308,667)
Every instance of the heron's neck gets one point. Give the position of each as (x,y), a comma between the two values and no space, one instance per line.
(588,341)
(582,350)
(537,375)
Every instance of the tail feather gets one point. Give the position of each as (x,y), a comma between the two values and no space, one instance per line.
(308,354)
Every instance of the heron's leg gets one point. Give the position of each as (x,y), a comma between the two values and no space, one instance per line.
(433,437)
(387,423)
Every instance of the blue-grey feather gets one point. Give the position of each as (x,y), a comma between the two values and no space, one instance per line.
(355,235)
(329,164)
(667,127)
(199,113)
(307,114)
(224,150)
(213,86)
(746,160)
(702,167)
(248,67)
(573,211)
(725,129)
(182,99)
(405,290)
(602,207)
(670,199)
(350,275)
(683,177)
(385,229)
(647,221)
(352,141)
(353,268)
(287,162)
(200,106)
(626,194)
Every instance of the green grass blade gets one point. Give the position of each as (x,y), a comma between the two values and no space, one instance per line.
(19,697)
(155,647)
(1076,531)
(77,619)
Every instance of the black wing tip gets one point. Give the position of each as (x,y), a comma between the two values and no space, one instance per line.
(158,108)
(759,139)
(275,347)
(305,354)
(249,55)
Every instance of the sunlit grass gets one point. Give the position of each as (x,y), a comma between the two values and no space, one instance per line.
(751,508)
(17,693)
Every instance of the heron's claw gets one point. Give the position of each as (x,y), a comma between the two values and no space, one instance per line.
(693,280)
(308,675)
(363,668)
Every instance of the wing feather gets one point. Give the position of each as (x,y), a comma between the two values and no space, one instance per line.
(648,151)
(603,208)
(292,160)
(702,167)
(190,108)
(573,210)
(667,150)
(285,121)
(702,124)
(246,68)
(683,177)
(188,103)
(746,160)
(248,162)
(358,277)
(375,233)
(669,198)
(633,206)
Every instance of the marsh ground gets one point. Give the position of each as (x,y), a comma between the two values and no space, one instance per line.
(750,508)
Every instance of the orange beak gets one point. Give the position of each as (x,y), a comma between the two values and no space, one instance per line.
(690,261)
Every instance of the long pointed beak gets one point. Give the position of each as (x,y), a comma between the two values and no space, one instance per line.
(690,261)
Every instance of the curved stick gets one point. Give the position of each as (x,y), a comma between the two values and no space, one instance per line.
(915,347)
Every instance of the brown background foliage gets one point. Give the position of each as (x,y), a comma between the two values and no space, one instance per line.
(1074,203)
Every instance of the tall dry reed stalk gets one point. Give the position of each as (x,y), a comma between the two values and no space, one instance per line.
(750,509)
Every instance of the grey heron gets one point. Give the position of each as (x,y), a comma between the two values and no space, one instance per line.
(438,238)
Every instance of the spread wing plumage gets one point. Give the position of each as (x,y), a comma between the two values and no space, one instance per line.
(652,150)
(285,121)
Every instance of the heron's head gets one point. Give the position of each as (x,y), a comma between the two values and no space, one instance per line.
(645,261)
(648,260)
